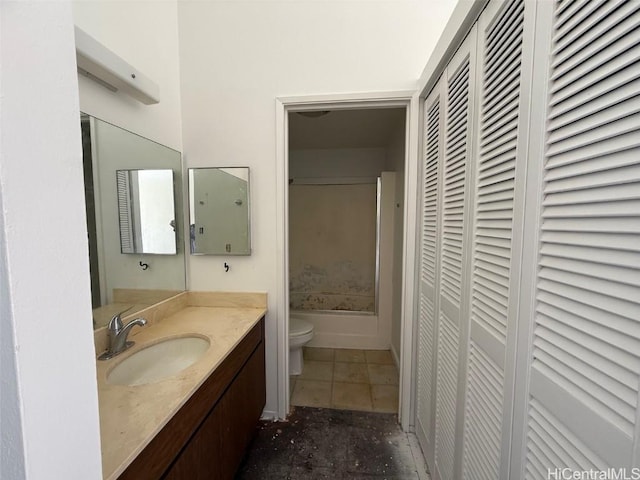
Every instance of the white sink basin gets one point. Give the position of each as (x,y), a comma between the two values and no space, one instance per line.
(158,361)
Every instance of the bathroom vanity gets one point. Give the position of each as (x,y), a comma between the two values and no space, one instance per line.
(196,423)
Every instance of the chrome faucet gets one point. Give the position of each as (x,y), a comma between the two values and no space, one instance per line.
(118,335)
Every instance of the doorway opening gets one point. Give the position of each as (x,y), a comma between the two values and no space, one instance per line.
(344,252)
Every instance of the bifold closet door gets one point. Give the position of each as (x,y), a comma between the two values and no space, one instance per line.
(453,251)
(583,408)
(429,268)
(442,331)
(498,192)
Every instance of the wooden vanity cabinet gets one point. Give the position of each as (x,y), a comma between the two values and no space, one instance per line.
(207,438)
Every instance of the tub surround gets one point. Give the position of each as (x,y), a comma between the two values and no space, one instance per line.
(130,417)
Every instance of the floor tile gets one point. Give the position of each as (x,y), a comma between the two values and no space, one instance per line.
(350,355)
(318,354)
(383,374)
(382,357)
(350,373)
(311,393)
(313,370)
(373,368)
(356,396)
(385,398)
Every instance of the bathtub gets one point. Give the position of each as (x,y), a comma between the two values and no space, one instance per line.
(342,329)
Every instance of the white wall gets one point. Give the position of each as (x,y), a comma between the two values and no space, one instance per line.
(50,426)
(145,34)
(237,57)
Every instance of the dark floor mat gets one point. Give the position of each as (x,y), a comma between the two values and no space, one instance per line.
(318,443)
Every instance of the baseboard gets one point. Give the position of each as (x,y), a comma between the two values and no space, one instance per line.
(418,457)
(423,443)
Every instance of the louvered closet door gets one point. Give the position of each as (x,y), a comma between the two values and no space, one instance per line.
(429,266)
(453,250)
(125,212)
(498,160)
(583,409)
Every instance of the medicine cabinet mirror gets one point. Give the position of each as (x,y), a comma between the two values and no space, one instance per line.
(133,194)
(219,213)
(146,211)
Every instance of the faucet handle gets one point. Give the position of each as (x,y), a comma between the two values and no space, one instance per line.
(115,324)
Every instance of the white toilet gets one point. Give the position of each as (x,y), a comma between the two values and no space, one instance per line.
(300,333)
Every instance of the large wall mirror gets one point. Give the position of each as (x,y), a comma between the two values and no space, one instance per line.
(219,212)
(133,192)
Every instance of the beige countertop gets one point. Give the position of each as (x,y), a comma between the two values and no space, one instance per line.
(130,417)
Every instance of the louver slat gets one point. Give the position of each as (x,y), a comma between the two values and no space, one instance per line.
(586,343)
(125,212)
(492,176)
(447,395)
(430,196)
(493,205)
(454,181)
(608,30)
(426,335)
(452,208)
(483,419)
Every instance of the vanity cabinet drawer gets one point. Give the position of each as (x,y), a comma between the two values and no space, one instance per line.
(207,437)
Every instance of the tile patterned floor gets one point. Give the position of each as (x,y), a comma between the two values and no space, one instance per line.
(321,443)
(365,380)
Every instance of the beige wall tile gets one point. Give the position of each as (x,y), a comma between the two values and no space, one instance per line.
(228,299)
(137,295)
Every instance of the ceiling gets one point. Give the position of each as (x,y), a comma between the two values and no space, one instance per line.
(364,128)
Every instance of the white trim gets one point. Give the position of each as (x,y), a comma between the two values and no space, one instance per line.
(282,270)
(284,105)
(408,339)
(269,415)
(346,100)
(530,235)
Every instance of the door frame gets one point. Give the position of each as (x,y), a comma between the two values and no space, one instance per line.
(404,99)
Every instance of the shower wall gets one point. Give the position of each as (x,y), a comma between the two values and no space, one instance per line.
(332,247)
